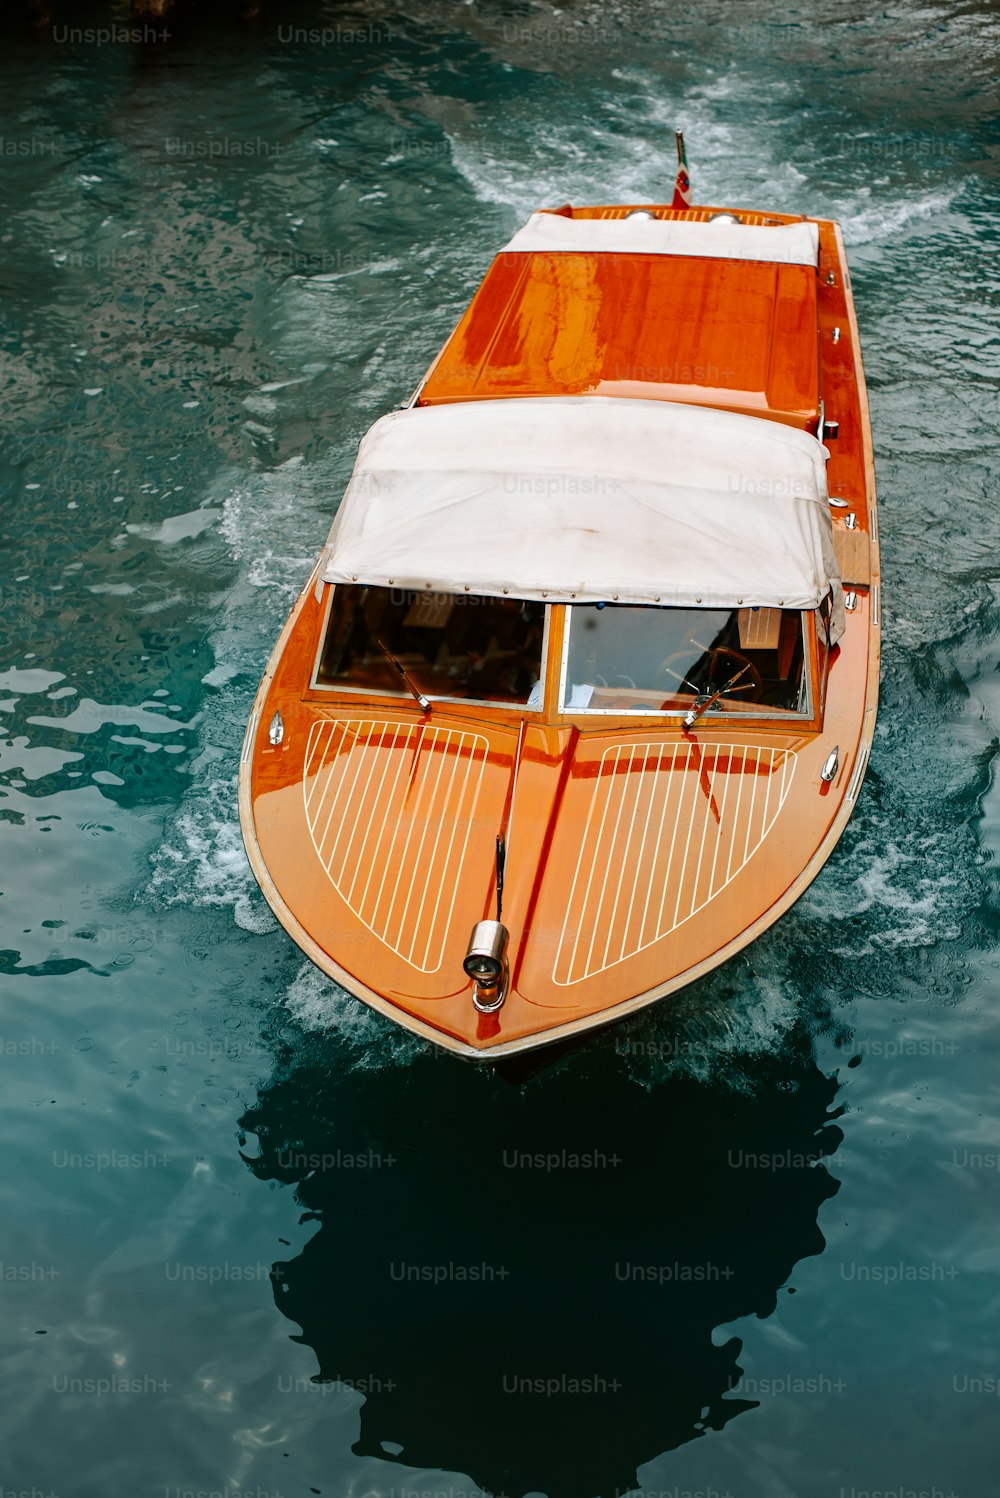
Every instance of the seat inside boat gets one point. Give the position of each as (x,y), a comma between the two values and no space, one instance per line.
(461,645)
(623,658)
(619,657)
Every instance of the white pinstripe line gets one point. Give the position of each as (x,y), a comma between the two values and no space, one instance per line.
(341,763)
(685,781)
(352,767)
(358,761)
(315,739)
(607,861)
(421,787)
(360,793)
(753,806)
(388,804)
(357,797)
(651,783)
(590,877)
(750,767)
(584,843)
(736,811)
(328,763)
(377,755)
(430,877)
(315,734)
(440,817)
(471,759)
(668,792)
(751,837)
(394,836)
(764,824)
(442,749)
(693,775)
(327,759)
(389,754)
(636,796)
(767,795)
(706,823)
(459,862)
(722,824)
(344,768)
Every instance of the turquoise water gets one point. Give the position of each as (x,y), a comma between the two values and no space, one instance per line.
(255,1239)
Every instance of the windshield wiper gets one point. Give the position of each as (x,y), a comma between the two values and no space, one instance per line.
(424,702)
(691,717)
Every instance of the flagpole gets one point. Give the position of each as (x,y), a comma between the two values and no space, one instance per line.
(682,184)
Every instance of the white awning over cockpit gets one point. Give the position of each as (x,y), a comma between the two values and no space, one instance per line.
(589,499)
(638,234)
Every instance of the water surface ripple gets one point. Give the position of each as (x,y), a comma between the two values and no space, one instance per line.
(255,1238)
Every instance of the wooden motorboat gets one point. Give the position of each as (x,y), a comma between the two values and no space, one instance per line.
(580,693)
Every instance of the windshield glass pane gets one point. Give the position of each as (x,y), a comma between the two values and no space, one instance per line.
(459,645)
(636,658)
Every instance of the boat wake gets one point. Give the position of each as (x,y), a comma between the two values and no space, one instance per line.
(880,895)
(272,533)
(867,219)
(625,153)
(202,861)
(718,1031)
(367,1040)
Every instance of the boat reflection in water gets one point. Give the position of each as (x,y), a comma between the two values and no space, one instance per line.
(523,1284)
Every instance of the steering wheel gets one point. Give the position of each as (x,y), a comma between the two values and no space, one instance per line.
(722,665)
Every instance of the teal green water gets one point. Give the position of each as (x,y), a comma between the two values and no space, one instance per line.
(254,1239)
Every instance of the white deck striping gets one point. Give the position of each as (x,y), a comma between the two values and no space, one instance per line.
(625,892)
(396,800)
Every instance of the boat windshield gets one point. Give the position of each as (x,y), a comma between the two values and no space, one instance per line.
(451,645)
(625,658)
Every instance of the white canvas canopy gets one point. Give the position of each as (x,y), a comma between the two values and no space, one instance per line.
(723,239)
(589,499)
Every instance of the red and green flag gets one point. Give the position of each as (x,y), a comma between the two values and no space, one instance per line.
(682,186)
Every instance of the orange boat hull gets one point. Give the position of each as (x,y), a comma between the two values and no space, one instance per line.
(640,855)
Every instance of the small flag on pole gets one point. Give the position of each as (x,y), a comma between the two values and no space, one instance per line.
(682,186)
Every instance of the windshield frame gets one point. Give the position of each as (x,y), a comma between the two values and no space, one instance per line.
(555,646)
(728,713)
(393,695)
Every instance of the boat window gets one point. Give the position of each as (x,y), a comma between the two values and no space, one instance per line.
(451,645)
(623,658)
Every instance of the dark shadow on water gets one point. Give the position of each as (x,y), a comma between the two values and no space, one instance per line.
(523,1279)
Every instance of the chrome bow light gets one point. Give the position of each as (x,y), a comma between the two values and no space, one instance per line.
(276,729)
(486,964)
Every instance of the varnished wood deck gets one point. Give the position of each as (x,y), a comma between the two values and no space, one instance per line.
(640,857)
